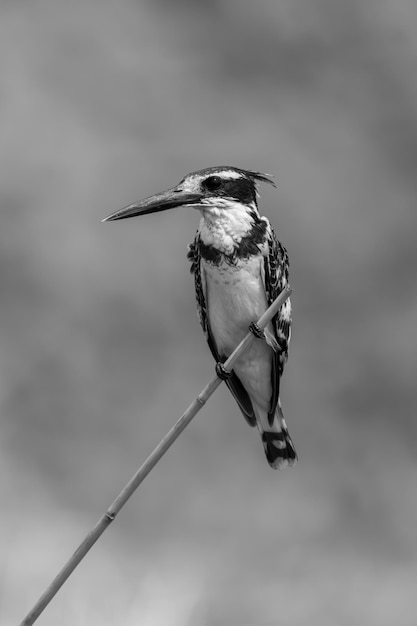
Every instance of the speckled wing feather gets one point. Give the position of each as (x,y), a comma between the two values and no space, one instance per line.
(234,384)
(276,266)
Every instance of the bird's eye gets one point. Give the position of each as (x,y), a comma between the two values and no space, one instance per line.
(212,183)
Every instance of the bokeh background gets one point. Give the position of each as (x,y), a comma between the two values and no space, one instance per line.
(103,103)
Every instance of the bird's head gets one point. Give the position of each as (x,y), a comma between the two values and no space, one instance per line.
(209,190)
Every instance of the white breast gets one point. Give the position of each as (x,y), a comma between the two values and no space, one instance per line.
(235,297)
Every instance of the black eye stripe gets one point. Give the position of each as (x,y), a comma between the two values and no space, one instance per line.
(212,182)
(241,189)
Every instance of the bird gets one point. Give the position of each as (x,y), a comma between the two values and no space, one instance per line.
(239,268)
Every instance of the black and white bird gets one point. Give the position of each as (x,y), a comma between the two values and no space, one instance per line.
(239,268)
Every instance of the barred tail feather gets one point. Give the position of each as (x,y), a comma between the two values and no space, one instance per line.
(279,448)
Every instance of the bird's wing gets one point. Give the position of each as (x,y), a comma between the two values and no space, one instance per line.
(276,265)
(233,383)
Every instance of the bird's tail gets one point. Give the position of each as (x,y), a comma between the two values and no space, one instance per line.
(278,445)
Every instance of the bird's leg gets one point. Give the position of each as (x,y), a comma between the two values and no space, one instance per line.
(266,335)
(255,330)
(222,372)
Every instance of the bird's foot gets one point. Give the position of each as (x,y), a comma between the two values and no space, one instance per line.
(222,372)
(255,330)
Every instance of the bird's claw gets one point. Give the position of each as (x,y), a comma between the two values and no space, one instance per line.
(222,372)
(255,330)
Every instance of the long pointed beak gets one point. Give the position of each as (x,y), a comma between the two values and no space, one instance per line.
(159,202)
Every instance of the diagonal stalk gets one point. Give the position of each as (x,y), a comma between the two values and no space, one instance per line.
(147,466)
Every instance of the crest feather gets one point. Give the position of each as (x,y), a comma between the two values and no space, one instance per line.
(260,176)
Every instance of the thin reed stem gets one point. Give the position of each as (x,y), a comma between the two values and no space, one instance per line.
(147,466)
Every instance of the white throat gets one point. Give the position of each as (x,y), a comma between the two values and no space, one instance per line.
(224,223)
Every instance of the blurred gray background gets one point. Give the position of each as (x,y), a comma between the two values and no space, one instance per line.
(103,103)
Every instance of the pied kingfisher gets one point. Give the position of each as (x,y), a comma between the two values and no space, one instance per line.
(239,268)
